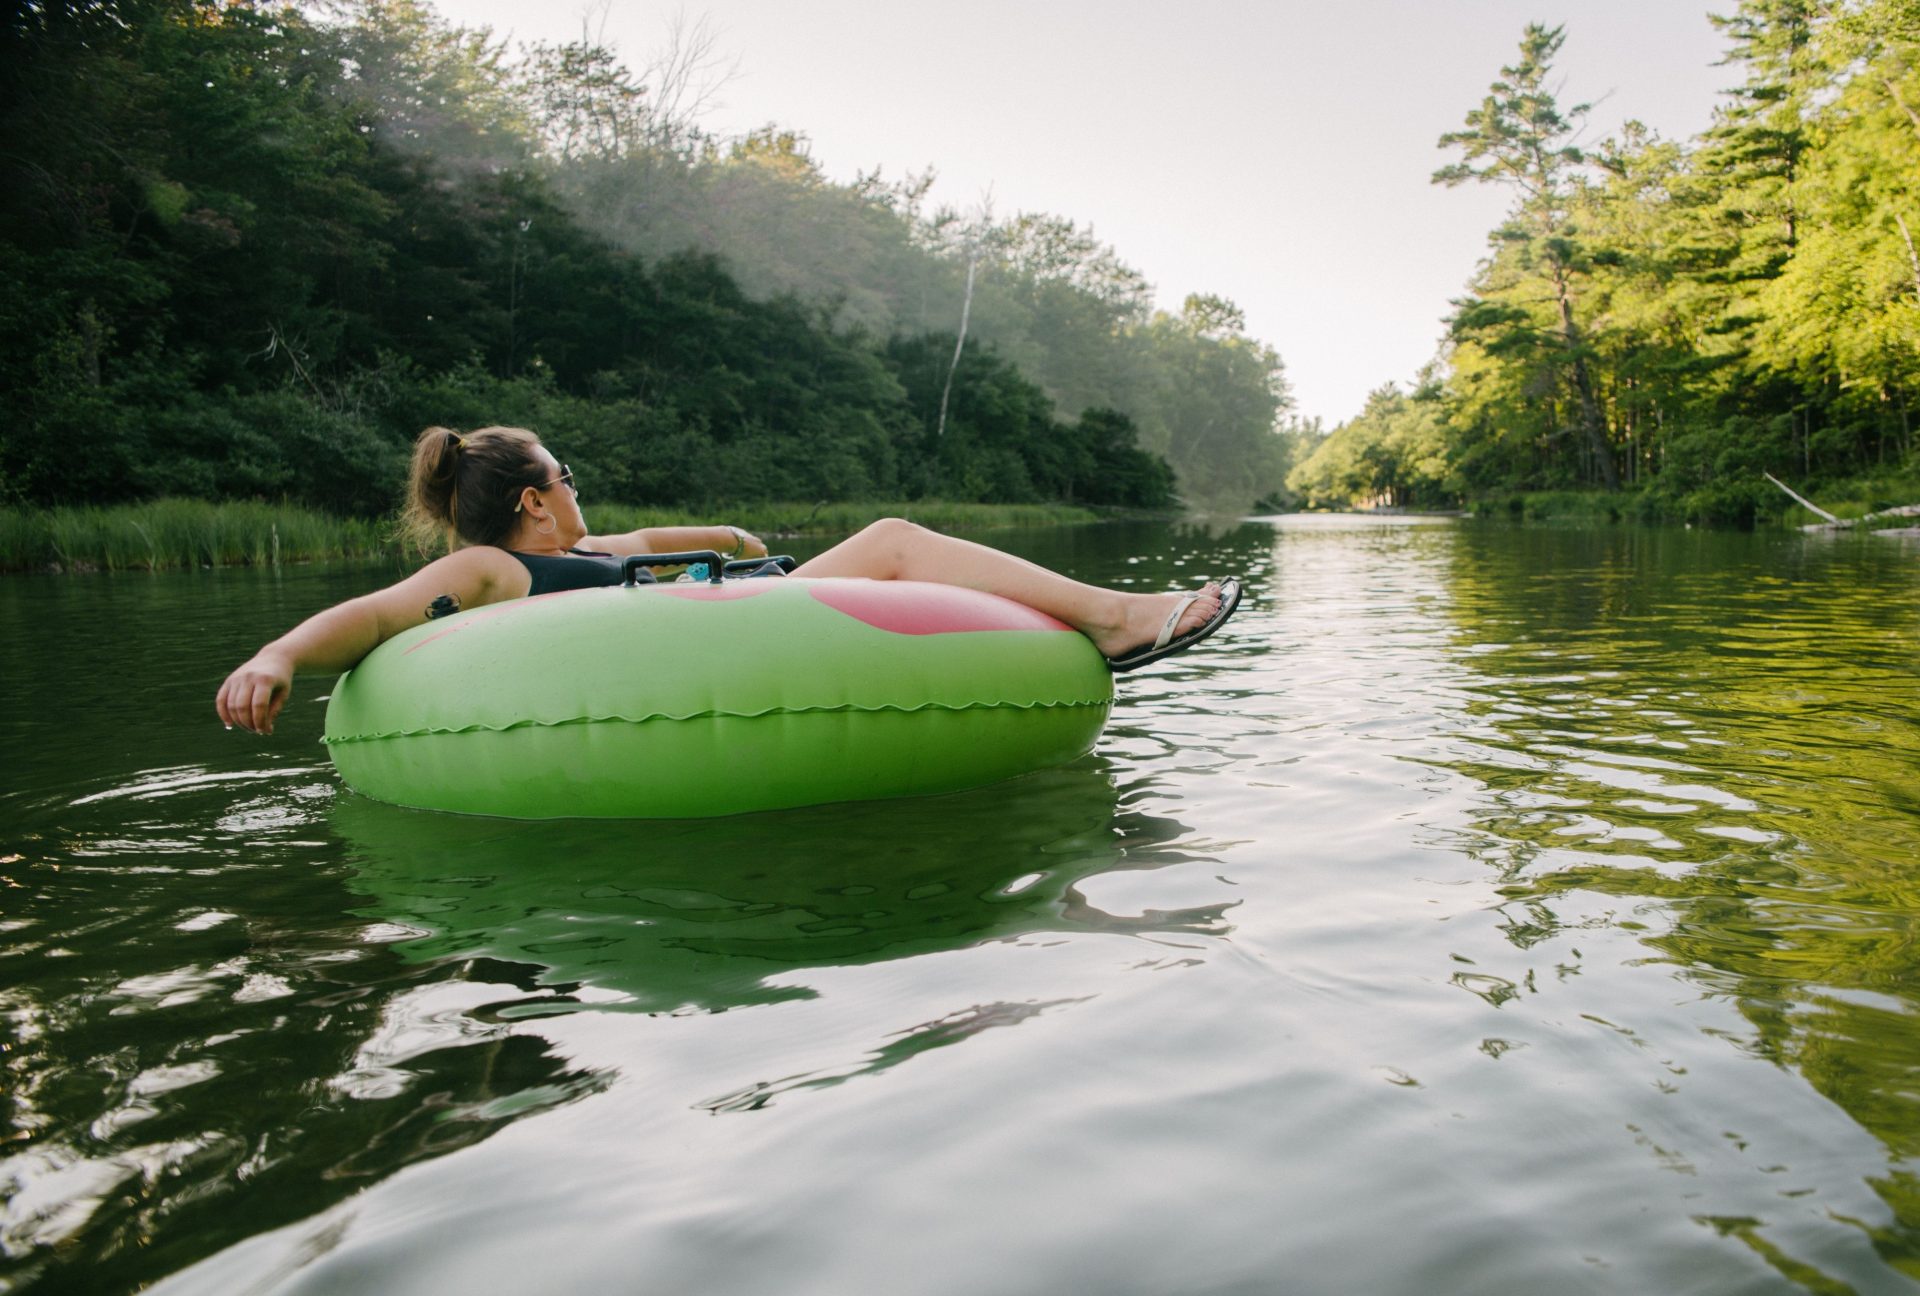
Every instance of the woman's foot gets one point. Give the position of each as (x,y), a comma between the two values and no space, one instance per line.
(1143,627)
(1191,618)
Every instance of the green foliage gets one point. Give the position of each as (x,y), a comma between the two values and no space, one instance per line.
(1854,497)
(1113,469)
(247,253)
(1002,441)
(1681,317)
(1526,306)
(772,519)
(1056,303)
(1580,508)
(1394,454)
(168,533)
(183,533)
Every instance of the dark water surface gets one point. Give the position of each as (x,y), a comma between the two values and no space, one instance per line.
(1491,910)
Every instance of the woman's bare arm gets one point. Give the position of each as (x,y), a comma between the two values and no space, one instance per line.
(339,637)
(723,540)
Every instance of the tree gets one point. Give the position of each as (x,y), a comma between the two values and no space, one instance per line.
(1843,314)
(1210,399)
(1394,453)
(1520,137)
(249,250)
(1757,146)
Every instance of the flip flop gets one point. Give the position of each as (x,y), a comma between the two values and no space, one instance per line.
(1167,644)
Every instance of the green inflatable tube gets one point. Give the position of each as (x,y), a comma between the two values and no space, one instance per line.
(693,700)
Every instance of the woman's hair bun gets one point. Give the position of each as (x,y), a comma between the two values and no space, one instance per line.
(463,486)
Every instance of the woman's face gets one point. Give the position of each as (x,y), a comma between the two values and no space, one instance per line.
(561,499)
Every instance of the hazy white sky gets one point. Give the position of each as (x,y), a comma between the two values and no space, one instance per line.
(1276,152)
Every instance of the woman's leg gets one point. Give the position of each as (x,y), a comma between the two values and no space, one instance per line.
(893,549)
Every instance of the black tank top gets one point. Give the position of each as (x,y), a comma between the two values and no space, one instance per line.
(579,569)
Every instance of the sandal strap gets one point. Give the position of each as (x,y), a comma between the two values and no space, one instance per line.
(1173,621)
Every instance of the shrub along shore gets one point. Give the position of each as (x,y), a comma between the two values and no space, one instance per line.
(172,533)
(175,533)
(1846,498)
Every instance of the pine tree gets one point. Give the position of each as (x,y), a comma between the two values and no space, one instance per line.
(1519,136)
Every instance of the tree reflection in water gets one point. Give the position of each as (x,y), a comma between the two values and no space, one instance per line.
(1733,750)
(705,915)
(327,990)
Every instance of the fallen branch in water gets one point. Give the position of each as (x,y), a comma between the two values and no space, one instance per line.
(1833,523)
(1848,524)
(1805,503)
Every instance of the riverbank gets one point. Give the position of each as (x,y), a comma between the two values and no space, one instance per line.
(172,533)
(770,521)
(183,533)
(1738,505)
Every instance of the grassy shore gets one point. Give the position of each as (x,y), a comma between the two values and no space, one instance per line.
(1857,497)
(196,533)
(786,519)
(1757,503)
(181,533)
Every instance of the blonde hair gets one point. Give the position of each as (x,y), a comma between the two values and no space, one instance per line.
(462,487)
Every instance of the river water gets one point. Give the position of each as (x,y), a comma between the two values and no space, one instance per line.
(1485,910)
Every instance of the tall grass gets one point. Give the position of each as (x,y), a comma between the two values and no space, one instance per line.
(1581,507)
(182,533)
(787,519)
(1855,497)
(196,533)
(1746,501)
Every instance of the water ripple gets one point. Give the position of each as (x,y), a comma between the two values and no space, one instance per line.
(1482,910)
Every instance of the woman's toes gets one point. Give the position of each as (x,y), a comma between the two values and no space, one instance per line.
(1146,615)
(1201,610)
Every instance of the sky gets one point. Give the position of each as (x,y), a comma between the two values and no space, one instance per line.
(1274,152)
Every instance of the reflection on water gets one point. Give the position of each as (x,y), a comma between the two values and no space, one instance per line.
(1486,909)
(383,966)
(185,988)
(1726,737)
(232,980)
(665,917)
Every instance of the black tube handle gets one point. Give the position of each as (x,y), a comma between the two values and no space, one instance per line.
(718,568)
(785,562)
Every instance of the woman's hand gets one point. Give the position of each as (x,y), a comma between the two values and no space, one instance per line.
(253,695)
(747,545)
(336,639)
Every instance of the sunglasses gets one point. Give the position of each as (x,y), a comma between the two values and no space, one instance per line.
(566,475)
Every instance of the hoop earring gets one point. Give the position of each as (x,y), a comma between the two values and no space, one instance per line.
(553,524)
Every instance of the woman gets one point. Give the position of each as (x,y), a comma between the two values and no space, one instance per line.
(512,508)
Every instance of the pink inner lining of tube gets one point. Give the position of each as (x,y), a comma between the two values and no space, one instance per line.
(915,608)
